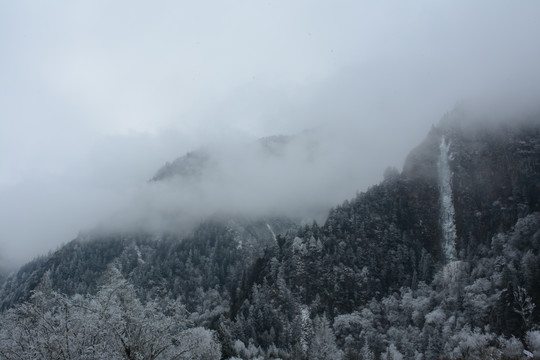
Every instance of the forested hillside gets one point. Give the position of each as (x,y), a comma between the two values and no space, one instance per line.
(440,260)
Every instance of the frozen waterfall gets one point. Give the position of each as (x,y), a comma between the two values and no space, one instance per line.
(448,227)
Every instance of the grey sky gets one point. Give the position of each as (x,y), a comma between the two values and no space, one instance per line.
(96,95)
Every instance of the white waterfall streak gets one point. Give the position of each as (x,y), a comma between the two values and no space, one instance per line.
(272,232)
(448,227)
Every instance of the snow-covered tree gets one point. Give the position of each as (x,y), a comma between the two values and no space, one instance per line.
(469,344)
(511,348)
(392,353)
(323,343)
(113,324)
(532,338)
(523,306)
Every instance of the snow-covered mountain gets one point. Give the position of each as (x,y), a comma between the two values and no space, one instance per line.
(440,260)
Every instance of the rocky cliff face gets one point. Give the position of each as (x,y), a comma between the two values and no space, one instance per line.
(496,178)
(495,174)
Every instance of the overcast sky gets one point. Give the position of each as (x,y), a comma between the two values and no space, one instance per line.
(96,95)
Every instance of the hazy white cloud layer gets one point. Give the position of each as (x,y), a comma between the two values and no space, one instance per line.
(96,95)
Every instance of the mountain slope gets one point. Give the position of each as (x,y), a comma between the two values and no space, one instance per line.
(444,252)
(387,247)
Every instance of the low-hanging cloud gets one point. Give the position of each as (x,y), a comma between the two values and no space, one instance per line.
(95,96)
(300,176)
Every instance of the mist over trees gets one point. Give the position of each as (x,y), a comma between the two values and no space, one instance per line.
(298,176)
(193,180)
(374,281)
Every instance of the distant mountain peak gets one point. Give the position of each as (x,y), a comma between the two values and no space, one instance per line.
(194,164)
(190,165)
